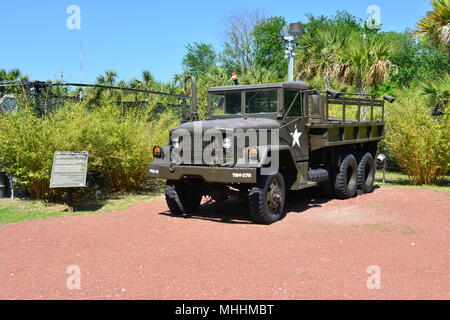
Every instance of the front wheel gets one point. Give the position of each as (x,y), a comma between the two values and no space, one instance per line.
(267,198)
(181,199)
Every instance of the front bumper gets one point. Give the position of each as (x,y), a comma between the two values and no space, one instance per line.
(209,174)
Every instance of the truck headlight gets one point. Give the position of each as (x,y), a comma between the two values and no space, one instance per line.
(253,153)
(226,143)
(175,142)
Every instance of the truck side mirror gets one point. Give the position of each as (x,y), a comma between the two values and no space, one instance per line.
(381,159)
(333,93)
(389,99)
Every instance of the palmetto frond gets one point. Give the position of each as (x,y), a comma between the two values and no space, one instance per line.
(259,75)
(364,62)
(379,72)
(317,54)
(436,23)
(438,93)
(148,79)
(12,75)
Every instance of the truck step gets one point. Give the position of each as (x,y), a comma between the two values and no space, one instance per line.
(309,184)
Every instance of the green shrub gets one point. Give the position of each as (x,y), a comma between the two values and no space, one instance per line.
(119,144)
(419,142)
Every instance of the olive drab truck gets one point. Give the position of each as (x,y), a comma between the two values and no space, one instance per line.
(260,141)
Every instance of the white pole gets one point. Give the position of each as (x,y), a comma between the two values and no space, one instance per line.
(81,61)
(291,62)
(289,54)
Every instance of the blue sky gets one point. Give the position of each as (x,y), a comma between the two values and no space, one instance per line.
(135,35)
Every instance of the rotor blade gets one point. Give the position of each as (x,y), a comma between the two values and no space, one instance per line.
(14,81)
(14,85)
(119,88)
(29,84)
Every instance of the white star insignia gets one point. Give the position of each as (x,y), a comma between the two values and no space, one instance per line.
(296,137)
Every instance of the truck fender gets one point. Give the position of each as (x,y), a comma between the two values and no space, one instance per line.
(279,158)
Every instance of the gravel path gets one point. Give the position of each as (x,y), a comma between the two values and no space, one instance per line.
(321,250)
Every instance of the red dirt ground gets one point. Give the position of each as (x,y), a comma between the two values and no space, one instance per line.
(321,250)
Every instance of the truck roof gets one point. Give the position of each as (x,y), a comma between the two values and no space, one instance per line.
(296,85)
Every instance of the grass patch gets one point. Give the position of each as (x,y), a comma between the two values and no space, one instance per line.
(387,227)
(10,214)
(17,210)
(396,179)
(374,205)
(382,227)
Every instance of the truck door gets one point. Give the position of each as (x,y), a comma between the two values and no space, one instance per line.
(294,131)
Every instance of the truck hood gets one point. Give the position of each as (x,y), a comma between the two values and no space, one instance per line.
(233,123)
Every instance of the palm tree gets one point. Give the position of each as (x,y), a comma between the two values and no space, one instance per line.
(12,75)
(147,81)
(438,94)
(259,74)
(107,79)
(354,60)
(436,24)
(364,62)
(317,55)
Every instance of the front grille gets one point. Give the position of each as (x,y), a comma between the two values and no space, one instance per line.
(223,157)
(186,154)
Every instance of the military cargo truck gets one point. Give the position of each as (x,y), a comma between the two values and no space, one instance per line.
(260,141)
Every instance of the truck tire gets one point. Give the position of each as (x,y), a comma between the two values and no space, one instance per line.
(267,198)
(180,199)
(318,175)
(366,173)
(346,183)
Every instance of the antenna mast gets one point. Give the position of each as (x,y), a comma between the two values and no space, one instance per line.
(81,61)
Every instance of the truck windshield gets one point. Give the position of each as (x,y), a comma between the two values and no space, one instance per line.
(260,101)
(226,103)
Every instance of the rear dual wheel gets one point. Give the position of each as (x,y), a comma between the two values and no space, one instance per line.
(350,176)
(346,183)
(366,173)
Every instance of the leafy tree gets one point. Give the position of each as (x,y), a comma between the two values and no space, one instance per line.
(199,58)
(342,22)
(237,55)
(417,59)
(269,48)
